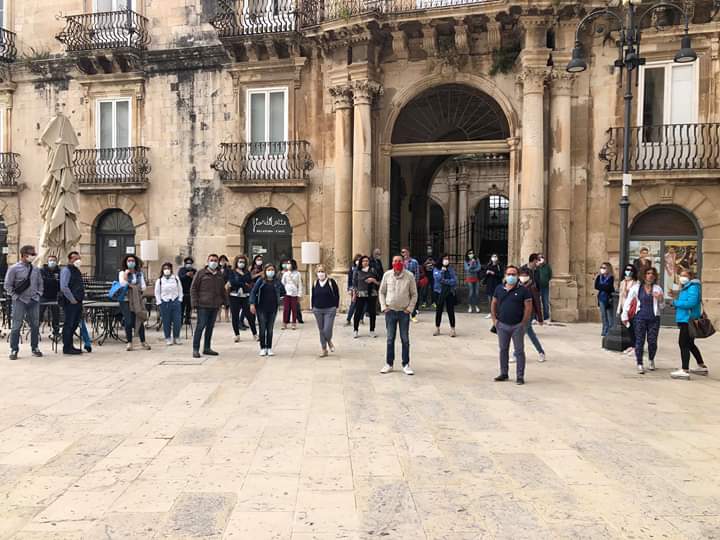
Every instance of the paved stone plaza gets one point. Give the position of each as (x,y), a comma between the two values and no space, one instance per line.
(150,445)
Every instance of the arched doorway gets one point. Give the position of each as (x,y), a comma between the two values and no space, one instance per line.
(668,237)
(269,233)
(3,249)
(114,238)
(492,217)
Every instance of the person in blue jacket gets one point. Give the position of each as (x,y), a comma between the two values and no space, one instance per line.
(688,306)
(264,302)
(472,269)
(605,286)
(444,285)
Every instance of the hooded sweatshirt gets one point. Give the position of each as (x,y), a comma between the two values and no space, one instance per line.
(688,304)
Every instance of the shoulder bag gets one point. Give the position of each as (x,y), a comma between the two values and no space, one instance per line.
(701,328)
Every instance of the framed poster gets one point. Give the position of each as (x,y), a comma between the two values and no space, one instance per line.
(678,254)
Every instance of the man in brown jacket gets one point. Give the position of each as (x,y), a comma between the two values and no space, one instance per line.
(207,294)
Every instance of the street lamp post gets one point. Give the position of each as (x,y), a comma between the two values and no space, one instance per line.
(629,60)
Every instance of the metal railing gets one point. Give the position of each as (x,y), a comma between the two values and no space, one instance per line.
(264,162)
(105,30)
(9,170)
(8,50)
(664,147)
(249,17)
(112,166)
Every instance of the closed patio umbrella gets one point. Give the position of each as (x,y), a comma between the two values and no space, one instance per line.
(60,207)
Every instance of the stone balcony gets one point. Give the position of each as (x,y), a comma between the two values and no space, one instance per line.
(264,165)
(106,170)
(106,42)
(8,50)
(9,173)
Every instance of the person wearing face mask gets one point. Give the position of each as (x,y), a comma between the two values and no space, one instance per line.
(688,307)
(24,285)
(265,299)
(365,291)
(413,266)
(208,296)
(186,275)
(605,286)
(629,281)
(543,275)
(168,296)
(537,313)
(224,266)
(324,302)
(351,276)
(492,277)
(292,281)
(258,268)
(51,289)
(73,294)
(398,297)
(472,269)
(511,309)
(444,286)
(240,282)
(132,306)
(646,300)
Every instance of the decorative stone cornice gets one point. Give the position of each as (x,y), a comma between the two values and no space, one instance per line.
(342,96)
(365,91)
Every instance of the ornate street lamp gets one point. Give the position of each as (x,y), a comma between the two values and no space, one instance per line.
(630,23)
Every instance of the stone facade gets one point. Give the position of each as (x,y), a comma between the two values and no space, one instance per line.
(347,77)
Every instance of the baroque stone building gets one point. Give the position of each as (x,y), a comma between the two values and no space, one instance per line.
(255,125)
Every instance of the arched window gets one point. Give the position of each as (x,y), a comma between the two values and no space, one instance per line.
(492,217)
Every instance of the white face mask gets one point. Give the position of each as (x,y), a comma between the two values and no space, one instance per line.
(684,280)
(603,270)
(446,262)
(241,265)
(52,264)
(524,279)
(77,263)
(321,276)
(494,259)
(167,272)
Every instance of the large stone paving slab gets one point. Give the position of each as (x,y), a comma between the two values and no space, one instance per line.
(149,444)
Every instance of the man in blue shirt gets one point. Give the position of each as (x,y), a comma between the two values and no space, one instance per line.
(73,294)
(511,310)
(412,266)
(24,285)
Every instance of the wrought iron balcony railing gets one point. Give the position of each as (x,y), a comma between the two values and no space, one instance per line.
(248,17)
(112,167)
(315,12)
(124,29)
(9,170)
(264,163)
(665,147)
(8,50)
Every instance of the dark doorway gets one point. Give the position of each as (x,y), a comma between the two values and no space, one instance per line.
(397,194)
(268,233)
(114,238)
(3,249)
(437,229)
(492,216)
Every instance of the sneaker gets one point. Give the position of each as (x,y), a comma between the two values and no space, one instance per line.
(387,368)
(512,359)
(88,348)
(452,333)
(436,332)
(283,327)
(488,316)
(520,381)
(331,346)
(640,369)
(145,346)
(629,351)
(541,357)
(256,337)
(37,353)
(270,352)
(414,319)
(294,326)
(407,370)
(470,309)
(263,352)
(13,355)
(237,339)
(323,353)
(651,365)
(168,342)
(129,346)
(177,341)
(700,370)
(373,334)
(356,334)
(500,378)
(680,374)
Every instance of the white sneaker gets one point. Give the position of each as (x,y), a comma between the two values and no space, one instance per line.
(168,341)
(263,352)
(237,339)
(640,369)
(270,352)
(256,337)
(387,368)
(488,316)
(513,359)
(470,309)
(541,357)
(178,341)
(700,370)
(356,334)
(680,374)
(407,370)
(629,351)
(651,365)
(373,335)
(331,346)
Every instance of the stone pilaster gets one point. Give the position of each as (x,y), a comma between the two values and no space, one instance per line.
(342,96)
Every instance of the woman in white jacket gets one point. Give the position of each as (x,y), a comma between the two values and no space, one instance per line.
(292,281)
(642,308)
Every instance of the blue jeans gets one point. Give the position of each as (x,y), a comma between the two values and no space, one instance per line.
(474,293)
(171,313)
(545,296)
(129,323)
(84,334)
(266,321)
(530,333)
(29,313)
(607,314)
(393,319)
(205,323)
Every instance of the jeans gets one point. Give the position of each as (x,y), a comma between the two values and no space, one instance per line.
(266,320)
(84,334)
(530,332)
(325,319)
(426,295)
(687,346)
(516,334)
(290,309)
(643,328)
(73,316)
(129,323)
(365,304)
(29,313)
(186,308)
(473,293)
(545,296)
(351,311)
(393,319)
(205,323)
(54,316)
(607,314)
(445,302)
(171,313)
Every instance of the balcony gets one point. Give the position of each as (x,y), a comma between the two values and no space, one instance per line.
(8,51)
(9,173)
(240,18)
(106,42)
(283,164)
(693,149)
(105,170)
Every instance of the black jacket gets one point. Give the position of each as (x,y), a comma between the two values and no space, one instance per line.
(51,283)
(239,281)
(325,297)
(186,280)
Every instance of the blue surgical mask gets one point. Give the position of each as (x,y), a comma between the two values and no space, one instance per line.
(270,274)
(52,264)
(131,265)
(628,273)
(511,280)
(212,265)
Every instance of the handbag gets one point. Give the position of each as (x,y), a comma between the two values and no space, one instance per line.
(632,310)
(117,291)
(701,328)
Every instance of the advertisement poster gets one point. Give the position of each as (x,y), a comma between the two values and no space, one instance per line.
(678,254)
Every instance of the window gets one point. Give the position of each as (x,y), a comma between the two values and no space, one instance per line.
(2,14)
(267,120)
(669,96)
(113,123)
(111,5)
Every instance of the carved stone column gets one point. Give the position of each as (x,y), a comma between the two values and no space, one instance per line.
(343,176)
(462,210)
(364,93)
(532,189)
